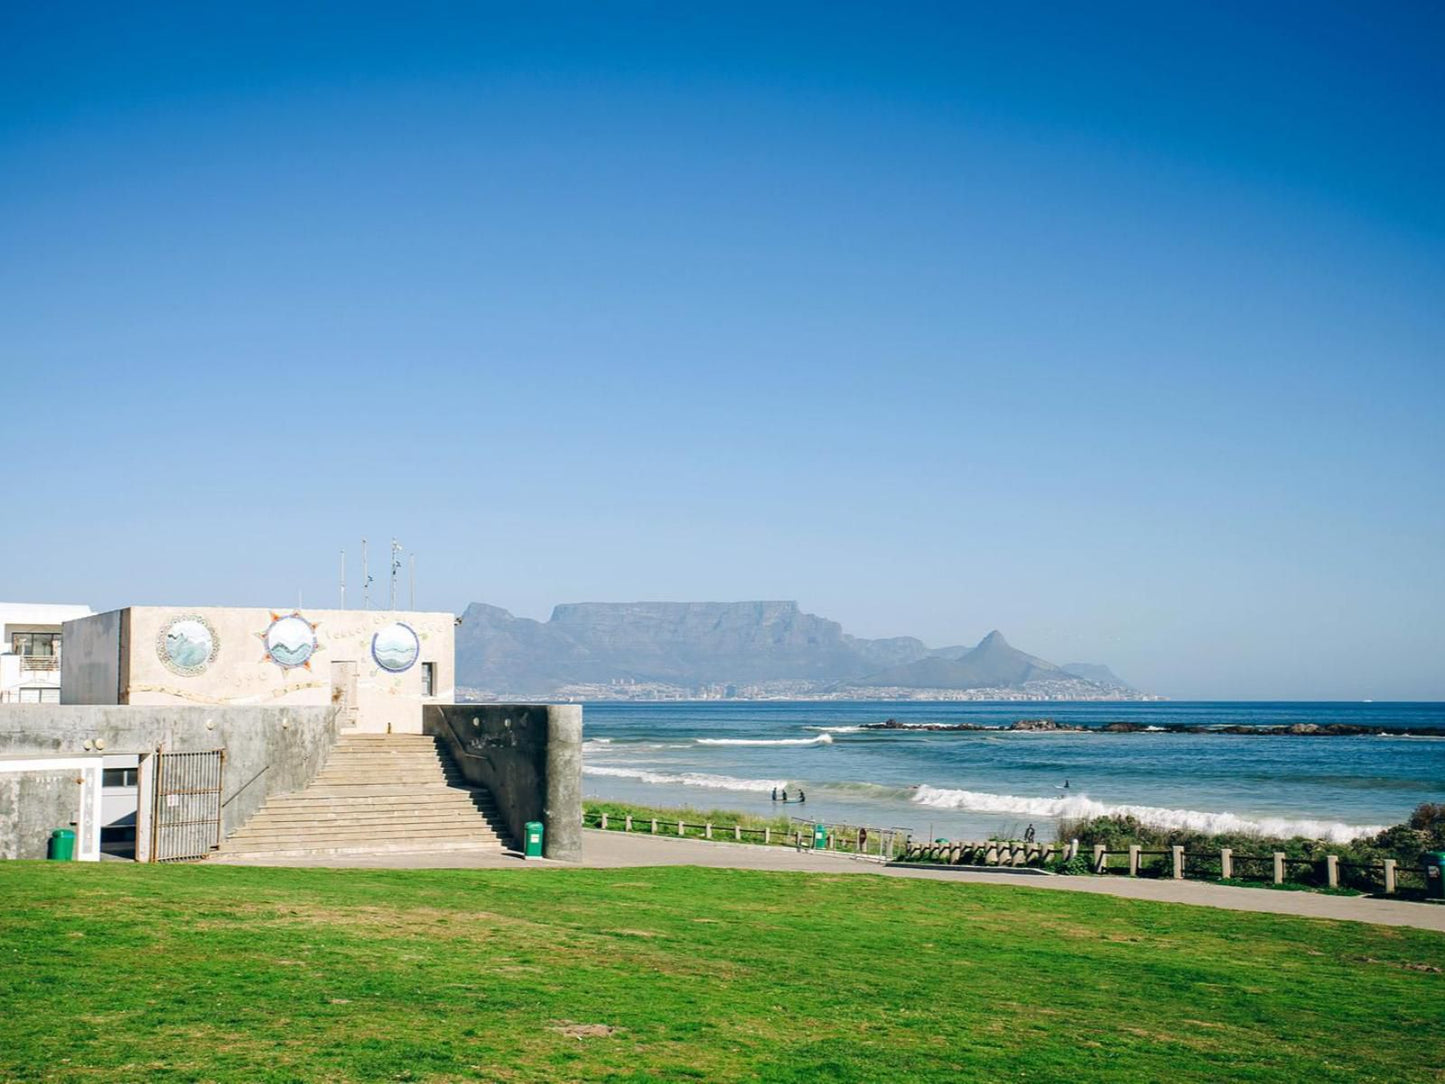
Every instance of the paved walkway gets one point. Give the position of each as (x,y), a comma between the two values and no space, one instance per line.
(611,850)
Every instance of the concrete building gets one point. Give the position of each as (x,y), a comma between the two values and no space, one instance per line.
(378,667)
(228,732)
(30,650)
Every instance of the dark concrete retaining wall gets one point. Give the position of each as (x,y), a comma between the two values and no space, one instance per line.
(268,750)
(529,756)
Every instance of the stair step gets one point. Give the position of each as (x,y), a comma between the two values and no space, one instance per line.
(461,813)
(375,793)
(430,797)
(406,848)
(361,834)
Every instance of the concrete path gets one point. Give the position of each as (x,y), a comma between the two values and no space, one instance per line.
(612,850)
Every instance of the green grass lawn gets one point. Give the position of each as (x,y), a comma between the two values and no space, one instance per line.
(248,974)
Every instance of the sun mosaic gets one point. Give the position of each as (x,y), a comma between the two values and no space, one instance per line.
(290,640)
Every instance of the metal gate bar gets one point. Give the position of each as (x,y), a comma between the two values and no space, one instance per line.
(186,820)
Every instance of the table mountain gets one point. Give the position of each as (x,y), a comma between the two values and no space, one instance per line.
(687,645)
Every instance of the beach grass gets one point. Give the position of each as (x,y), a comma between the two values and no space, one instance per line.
(168,973)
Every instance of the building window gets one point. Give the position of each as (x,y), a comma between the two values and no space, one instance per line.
(45,645)
(428,679)
(118,777)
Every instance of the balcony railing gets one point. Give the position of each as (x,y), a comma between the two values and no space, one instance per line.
(37,663)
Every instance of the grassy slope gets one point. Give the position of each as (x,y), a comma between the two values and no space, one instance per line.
(230,973)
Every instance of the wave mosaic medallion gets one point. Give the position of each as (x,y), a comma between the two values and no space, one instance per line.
(290,640)
(395,647)
(187,644)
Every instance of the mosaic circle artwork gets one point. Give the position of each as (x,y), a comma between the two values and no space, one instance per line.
(290,640)
(395,647)
(187,644)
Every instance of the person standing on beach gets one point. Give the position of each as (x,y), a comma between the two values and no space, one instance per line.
(775,794)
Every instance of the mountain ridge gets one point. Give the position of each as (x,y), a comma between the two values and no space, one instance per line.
(595,650)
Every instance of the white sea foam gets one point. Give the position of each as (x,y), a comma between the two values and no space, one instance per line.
(687,779)
(1079,805)
(836,729)
(821,739)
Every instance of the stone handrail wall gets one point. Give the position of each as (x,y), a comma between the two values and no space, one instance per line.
(529,756)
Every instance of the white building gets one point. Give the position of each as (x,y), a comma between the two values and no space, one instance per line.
(378,667)
(30,650)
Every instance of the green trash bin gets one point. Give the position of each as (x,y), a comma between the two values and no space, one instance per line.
(1435,876)
(533,830)
(820,836)
(62,845)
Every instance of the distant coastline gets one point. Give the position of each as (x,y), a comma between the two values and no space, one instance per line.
(673,694)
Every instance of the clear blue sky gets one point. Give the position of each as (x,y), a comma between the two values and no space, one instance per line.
(1118,327)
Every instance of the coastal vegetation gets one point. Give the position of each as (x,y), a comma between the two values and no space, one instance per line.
(1407,843)
(731,826)
(779,829)
(228,973)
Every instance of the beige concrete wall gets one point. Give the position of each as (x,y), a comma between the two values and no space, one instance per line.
(241,672)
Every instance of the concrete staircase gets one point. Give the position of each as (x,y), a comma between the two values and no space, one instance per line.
(377,793)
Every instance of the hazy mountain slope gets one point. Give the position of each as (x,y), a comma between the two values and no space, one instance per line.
(992,664)
(1098,674)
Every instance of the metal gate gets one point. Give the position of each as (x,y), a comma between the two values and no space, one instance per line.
(186,815)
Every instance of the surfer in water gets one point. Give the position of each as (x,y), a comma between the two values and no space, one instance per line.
(775,794)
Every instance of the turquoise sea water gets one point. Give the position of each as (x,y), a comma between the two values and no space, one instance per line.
(732,754)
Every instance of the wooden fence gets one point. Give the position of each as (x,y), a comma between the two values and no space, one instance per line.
(859,840)
(1276,867)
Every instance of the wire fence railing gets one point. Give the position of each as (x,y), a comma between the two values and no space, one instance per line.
(892,844)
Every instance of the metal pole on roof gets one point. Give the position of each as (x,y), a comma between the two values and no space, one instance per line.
(395,568)
(411,595)
(343,579)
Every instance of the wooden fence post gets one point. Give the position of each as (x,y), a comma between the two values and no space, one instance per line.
(627,824)
(1101,857)
(679,827)
(654,826)
(707,830)
(738,832)
(1279,867)
(1178,862)
(1332,870)
(767,835)
(1134,860)
(604,822)
(1073,849)
(1226,863)
(1389,876)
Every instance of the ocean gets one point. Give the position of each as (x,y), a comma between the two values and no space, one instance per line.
(972,785)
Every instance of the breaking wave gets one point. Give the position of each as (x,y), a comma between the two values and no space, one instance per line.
(1185,819)
(836,729)
(687,779)
(821,739)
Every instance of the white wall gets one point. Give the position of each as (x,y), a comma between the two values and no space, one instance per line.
(19,683)
(240,672)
